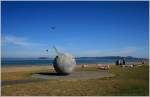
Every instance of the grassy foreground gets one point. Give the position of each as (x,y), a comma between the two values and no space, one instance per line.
(128,81)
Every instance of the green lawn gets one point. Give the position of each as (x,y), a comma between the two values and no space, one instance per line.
(128,81)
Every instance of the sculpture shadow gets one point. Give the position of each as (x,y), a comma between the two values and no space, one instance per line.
(52,73)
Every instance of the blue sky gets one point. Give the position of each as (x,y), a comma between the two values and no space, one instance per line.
(81,28)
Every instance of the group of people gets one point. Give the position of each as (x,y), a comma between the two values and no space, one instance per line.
(120,62)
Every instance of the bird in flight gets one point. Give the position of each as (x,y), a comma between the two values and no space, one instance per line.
(53,27)
(47,50)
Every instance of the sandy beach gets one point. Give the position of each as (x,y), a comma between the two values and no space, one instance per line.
(35,68)
(22,68)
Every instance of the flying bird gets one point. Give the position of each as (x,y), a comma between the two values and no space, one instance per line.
(47,50)
(53,27)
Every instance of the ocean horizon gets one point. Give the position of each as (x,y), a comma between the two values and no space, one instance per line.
(6,62)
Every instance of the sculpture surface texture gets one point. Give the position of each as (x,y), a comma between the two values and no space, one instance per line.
(64,63)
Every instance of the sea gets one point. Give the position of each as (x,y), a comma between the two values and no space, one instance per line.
(5,62)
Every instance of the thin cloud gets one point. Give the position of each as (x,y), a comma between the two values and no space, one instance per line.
(15,40)
(128,51)
(19,41)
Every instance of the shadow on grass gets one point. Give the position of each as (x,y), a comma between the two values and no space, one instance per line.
(52,73)
(11,82)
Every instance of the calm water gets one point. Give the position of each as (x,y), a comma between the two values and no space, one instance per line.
(31,61)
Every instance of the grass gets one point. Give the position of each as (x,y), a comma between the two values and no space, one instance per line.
(127,82)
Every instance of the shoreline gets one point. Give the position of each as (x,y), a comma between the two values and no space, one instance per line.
(16,68)
(8,69)
(41,65)
(24,68)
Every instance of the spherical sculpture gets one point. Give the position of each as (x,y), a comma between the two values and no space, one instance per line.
(64,63)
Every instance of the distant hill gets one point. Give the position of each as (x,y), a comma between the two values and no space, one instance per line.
(112,57)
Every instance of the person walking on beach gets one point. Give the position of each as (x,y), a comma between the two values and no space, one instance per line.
(123,61)
(142,62)
(117,62)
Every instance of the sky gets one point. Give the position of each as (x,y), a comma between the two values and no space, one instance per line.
(91,28)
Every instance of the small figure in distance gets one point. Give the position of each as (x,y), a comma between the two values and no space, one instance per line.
(124,63)
(142,62)
(117,62)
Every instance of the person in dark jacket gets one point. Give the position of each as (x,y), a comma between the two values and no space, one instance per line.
(117,62)
(123,61)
